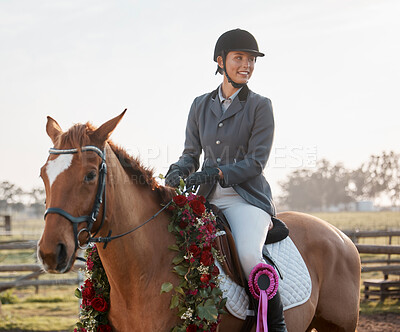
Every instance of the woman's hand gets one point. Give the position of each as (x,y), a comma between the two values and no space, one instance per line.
(208,175)
(173,177)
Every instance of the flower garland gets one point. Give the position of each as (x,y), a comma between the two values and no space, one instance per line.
(198,298)
(95,295)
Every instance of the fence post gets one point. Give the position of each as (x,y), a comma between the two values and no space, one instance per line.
(7,224)
(386,276)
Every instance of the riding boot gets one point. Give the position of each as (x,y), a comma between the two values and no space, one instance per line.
(276,321)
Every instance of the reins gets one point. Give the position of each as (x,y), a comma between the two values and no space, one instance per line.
(100,198)
(109,238)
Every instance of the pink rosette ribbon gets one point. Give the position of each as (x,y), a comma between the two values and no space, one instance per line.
(263,284)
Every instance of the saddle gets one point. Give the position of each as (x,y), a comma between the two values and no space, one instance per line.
(231,265)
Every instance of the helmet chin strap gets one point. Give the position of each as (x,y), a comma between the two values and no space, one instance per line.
(234,84)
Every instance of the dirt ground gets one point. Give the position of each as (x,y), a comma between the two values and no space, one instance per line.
(379,323)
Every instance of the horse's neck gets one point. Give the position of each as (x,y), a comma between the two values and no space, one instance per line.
(136,260)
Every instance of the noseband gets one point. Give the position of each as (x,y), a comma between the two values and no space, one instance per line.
(100,197)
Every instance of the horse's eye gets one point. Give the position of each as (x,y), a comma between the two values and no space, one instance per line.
(90,176)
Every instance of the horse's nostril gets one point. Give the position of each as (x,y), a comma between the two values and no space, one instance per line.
(61,254)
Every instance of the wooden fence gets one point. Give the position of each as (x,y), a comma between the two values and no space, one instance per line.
(35,270)
(6,223)
(388,265)
(389,285)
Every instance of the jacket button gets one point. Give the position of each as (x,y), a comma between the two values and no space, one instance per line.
(218,160)
(217,142)
(220,124)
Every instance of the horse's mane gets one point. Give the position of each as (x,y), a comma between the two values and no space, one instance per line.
(79,135)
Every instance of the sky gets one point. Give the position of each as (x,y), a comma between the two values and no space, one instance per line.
(331,69)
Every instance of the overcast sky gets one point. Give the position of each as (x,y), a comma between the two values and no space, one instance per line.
(331,69)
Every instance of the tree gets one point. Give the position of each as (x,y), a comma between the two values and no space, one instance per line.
(10,194)
(317,189)
(37,198)
(379,176)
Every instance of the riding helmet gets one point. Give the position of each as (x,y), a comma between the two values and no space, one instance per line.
(236,40)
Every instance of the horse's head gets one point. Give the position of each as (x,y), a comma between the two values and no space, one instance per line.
(72,177)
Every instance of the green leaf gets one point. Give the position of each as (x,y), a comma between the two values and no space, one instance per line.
(166,287)
(171,230)
(216,291)
(208,311)
(161,176)
(181,311)
(174,301)
(78,293)
(223,302)
(173,247)
(183,284)
(180,291)
(181,270)
(179,258)
(203,293)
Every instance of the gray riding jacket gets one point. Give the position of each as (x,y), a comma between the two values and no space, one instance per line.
(237,141)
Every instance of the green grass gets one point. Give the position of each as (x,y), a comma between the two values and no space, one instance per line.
(54,309)
(376,307)
(362,220)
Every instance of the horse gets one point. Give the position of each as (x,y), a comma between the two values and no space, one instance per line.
(139,263)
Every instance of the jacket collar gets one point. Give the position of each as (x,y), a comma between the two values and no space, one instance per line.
(236,106)
(242,94)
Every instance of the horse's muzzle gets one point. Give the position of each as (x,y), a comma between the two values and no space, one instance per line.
(56,261)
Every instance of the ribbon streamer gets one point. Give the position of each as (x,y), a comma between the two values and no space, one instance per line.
(263,285)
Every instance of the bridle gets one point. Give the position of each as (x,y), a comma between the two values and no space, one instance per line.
(100,198)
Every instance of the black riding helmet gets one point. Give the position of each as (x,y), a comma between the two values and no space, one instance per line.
(235,40)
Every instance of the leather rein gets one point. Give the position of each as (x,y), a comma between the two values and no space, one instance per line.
(100,198)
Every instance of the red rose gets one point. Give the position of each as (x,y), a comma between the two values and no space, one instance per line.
(99,304)
(104,328)
(201,199)
(205,278)
(183,224)
(191,328)
(197,207)
(180,200)
(195,250)
(88,283)
(212,285)
(215,271)
(88,294)
(171,208)
(206,258)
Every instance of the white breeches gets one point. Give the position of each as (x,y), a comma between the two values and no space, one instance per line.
(249,225)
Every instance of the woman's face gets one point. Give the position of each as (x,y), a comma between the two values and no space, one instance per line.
(239,65)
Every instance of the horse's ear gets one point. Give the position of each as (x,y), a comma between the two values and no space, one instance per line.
(105,130)
(53,129)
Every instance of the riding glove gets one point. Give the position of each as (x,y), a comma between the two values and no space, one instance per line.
(207,175)
(173,176)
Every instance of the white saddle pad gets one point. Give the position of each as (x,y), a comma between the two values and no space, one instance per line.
(294,288)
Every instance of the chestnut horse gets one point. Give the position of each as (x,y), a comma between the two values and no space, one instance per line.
(139,263)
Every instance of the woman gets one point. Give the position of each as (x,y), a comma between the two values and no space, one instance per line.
(234,128)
